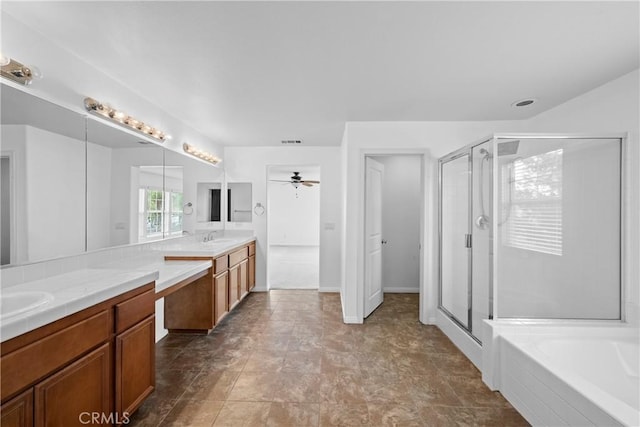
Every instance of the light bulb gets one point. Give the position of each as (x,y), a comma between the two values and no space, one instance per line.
(35,72)
(4,60)
(119,116)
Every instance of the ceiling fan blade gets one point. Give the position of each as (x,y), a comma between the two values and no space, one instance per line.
(307,184)
(311,181)
(279,180)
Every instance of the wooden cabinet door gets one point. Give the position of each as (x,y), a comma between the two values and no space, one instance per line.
(221,296)
(135,366)
(252,272)
(18,412)
(244,278)
(191,308)
(234,285)
(71,396)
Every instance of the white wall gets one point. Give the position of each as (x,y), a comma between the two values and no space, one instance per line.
(250,164)
(401,223)
(433,140)
(13,137)
(99,194)
(294,214)
(50,171)
(613,107)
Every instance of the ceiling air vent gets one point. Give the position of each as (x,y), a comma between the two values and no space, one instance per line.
(291,141)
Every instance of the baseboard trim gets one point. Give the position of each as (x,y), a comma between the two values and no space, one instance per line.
(401,290)
(352,319)
(259,289)
(331,289)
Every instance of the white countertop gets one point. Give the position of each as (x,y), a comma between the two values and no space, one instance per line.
(74,291)
(205,249)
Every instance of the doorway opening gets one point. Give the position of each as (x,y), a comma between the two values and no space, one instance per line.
(393,229)
(293,229)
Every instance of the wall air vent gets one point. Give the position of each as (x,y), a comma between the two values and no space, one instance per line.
(291,141)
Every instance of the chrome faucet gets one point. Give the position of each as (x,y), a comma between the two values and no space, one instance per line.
(210,236)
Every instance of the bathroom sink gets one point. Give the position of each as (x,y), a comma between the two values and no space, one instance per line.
(13,303)
(217,241)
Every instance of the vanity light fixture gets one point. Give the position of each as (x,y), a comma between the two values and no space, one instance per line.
(203,155)
(121,118)
(18,72)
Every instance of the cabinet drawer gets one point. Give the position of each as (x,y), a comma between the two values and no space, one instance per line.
(237,256)
(252,248)
(132,311)
(220,265)
(34,361)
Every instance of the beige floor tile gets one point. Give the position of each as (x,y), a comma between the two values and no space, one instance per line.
(293,415)
(285,358)
(193,413)
(240,414)
(344,414)
(254,387)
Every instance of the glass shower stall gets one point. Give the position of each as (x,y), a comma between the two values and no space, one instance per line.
(530,228)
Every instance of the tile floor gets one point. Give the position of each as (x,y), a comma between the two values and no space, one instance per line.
(285,358)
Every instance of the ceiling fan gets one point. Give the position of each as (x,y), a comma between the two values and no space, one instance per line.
(296,180)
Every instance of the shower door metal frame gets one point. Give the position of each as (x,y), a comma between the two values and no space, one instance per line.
(464,151)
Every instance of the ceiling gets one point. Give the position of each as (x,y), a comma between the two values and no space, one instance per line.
(255,73)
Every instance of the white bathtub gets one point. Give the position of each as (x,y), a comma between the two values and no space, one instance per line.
(574,375)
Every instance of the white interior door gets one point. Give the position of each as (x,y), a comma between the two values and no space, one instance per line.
(373,235)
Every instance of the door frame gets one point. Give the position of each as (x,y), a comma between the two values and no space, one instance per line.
(428,184)
(268,171)
(13,225)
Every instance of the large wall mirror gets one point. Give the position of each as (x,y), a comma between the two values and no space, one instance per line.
(239,202)
(43,179)
(72,183)
(193,174)
(125,188)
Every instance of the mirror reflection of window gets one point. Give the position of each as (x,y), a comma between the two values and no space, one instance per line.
(160,202)
(174,206)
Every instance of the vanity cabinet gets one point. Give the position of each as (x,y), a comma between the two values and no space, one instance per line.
(192,307)
(251,279)
(234,286)
(135,352)
(221,283)
(83,387)
(18,412)
(100,360)
(244,278)
(199,307)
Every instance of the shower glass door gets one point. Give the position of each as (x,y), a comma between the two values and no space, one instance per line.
(455,239)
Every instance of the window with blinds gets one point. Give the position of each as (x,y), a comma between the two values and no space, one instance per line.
(533,198)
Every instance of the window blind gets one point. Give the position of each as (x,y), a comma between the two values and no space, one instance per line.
(534,201)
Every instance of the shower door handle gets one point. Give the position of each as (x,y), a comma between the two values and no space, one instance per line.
(467,241)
